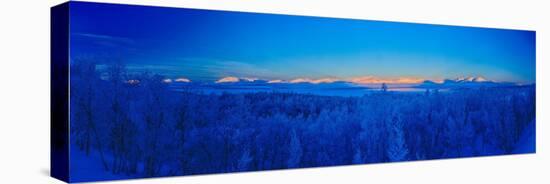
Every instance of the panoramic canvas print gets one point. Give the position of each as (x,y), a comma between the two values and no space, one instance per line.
(157,91)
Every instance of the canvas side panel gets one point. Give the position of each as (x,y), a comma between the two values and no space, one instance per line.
(59,85)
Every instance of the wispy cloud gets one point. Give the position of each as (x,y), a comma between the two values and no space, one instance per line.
(241,69)
(212,68)
(104,37)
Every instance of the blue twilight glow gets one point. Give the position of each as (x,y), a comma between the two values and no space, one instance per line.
(208,45)
(171,92)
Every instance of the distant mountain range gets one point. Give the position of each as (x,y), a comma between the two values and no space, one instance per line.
(286,84)
(463,82)
(468,80)
(335,83)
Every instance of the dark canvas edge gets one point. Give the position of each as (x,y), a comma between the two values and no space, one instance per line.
(59,92)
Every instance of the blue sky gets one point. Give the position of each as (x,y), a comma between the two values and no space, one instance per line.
(208,45)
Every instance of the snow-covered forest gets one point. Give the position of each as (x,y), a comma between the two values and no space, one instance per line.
(130,130)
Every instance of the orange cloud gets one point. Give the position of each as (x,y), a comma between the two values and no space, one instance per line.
(228,79)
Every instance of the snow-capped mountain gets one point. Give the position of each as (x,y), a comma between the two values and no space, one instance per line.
(468,79)
(463,82)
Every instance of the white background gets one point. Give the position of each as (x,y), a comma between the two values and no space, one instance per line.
(24,90)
